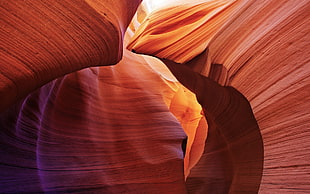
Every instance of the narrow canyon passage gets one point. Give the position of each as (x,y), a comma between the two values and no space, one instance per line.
(99,96)
(232,161)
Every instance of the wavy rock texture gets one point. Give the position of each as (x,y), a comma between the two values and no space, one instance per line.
(102,129)
(96,130)
(124,128)
(261,49)
(43,40)
(176,25)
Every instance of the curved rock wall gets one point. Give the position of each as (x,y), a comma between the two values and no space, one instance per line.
(43,40)
(261,49)
(132,127)
(96,130)
(101,129)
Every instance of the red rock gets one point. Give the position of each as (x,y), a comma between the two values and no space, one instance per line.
(259,49)
(120,129)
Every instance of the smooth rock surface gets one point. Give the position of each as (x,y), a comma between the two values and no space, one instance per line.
(69,125)
(261,48)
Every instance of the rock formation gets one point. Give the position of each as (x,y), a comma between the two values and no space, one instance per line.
(81,113)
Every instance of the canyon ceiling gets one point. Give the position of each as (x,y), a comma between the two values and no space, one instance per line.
(125,96)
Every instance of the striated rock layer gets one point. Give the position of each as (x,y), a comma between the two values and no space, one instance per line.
(43,40)
(109,129)
(95,130)
(132,127)
(261,49)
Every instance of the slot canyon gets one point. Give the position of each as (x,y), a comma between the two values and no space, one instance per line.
(132,96)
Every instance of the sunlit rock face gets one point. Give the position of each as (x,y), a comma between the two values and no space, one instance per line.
(259,48)
(237,122)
